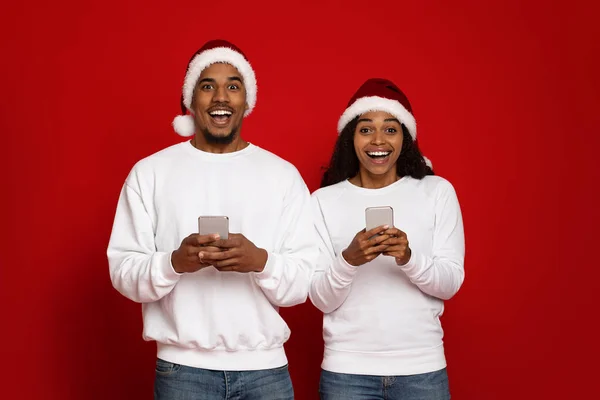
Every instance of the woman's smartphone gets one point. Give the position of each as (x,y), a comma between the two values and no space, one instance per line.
(378,216)
(209,225)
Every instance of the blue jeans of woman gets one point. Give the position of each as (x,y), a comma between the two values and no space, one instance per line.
(427,386)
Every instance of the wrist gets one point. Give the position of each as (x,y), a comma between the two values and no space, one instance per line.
(174,262)
(347,259)
(263,256)
(404,260)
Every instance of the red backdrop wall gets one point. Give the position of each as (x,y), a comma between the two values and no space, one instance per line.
(506,94)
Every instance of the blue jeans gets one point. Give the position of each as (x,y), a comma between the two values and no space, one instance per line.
(179,382)
(428,386)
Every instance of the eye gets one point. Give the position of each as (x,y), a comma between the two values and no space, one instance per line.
(391,130)
(364,130)
(207,86)
(233,87)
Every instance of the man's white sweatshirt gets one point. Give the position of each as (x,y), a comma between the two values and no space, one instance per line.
(211,319)
(382,318)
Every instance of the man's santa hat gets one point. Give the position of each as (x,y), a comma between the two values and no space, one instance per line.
(214,51)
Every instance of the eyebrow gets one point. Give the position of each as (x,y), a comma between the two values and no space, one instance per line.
(211,80)
(385,120)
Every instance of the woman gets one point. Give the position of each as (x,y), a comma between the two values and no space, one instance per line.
(382,290)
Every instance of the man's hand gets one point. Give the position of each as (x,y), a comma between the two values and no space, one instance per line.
(237,254)
(366,246)
(397,246)
(188,257)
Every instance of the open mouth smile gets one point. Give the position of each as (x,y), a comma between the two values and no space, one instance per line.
(220,116)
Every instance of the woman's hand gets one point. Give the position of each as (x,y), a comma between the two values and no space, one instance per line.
(366,246)
(397,246)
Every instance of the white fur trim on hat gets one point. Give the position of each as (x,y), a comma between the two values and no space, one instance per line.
(376,103)
(428,162)
(216,55)
(184,125)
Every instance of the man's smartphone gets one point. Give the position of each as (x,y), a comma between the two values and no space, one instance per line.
(209,225)
(378,216)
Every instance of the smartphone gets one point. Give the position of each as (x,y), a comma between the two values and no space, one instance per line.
(378,216)
(208,225)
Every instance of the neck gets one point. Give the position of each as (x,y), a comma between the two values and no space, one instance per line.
(368,180)
(199,142)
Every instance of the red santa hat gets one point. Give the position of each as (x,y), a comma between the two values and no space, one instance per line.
(378,94)
(214,51)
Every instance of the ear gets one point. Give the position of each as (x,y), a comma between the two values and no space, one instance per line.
(246,108)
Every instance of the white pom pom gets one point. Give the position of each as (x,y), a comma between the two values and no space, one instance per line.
(428,162)
(184,125)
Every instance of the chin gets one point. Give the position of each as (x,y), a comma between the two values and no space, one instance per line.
(219,138)
(379,172)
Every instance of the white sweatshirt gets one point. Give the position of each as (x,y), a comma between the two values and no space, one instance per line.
(382,318)
(211,319)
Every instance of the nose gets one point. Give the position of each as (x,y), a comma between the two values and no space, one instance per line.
(378,137)
(220,95)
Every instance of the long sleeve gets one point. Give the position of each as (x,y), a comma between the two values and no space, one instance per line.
(442,274)
(137,270)
(286,277)
(333,276)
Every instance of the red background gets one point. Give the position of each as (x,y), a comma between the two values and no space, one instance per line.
(506,97)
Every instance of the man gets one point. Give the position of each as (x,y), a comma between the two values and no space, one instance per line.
(211,304)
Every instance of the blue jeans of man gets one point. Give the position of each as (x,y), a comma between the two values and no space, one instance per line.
(427,386)
(180,382)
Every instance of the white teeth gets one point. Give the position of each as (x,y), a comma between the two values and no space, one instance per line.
(220,112)
(378,153)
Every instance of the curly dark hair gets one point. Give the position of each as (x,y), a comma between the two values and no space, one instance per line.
(344,163)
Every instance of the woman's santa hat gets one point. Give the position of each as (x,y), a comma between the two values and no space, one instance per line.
(214,51)
(378,94)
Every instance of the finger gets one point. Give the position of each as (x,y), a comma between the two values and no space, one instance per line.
(371,257)
(374,241)
(377,249)
(234,240)
(194,250)
(398,247)
(228,243)
(375,231)
(209,249)
(395,253)
(396,232)
(395,241)
(392,241)
(393,231)
(226,263)
(216,256)
(200,240)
